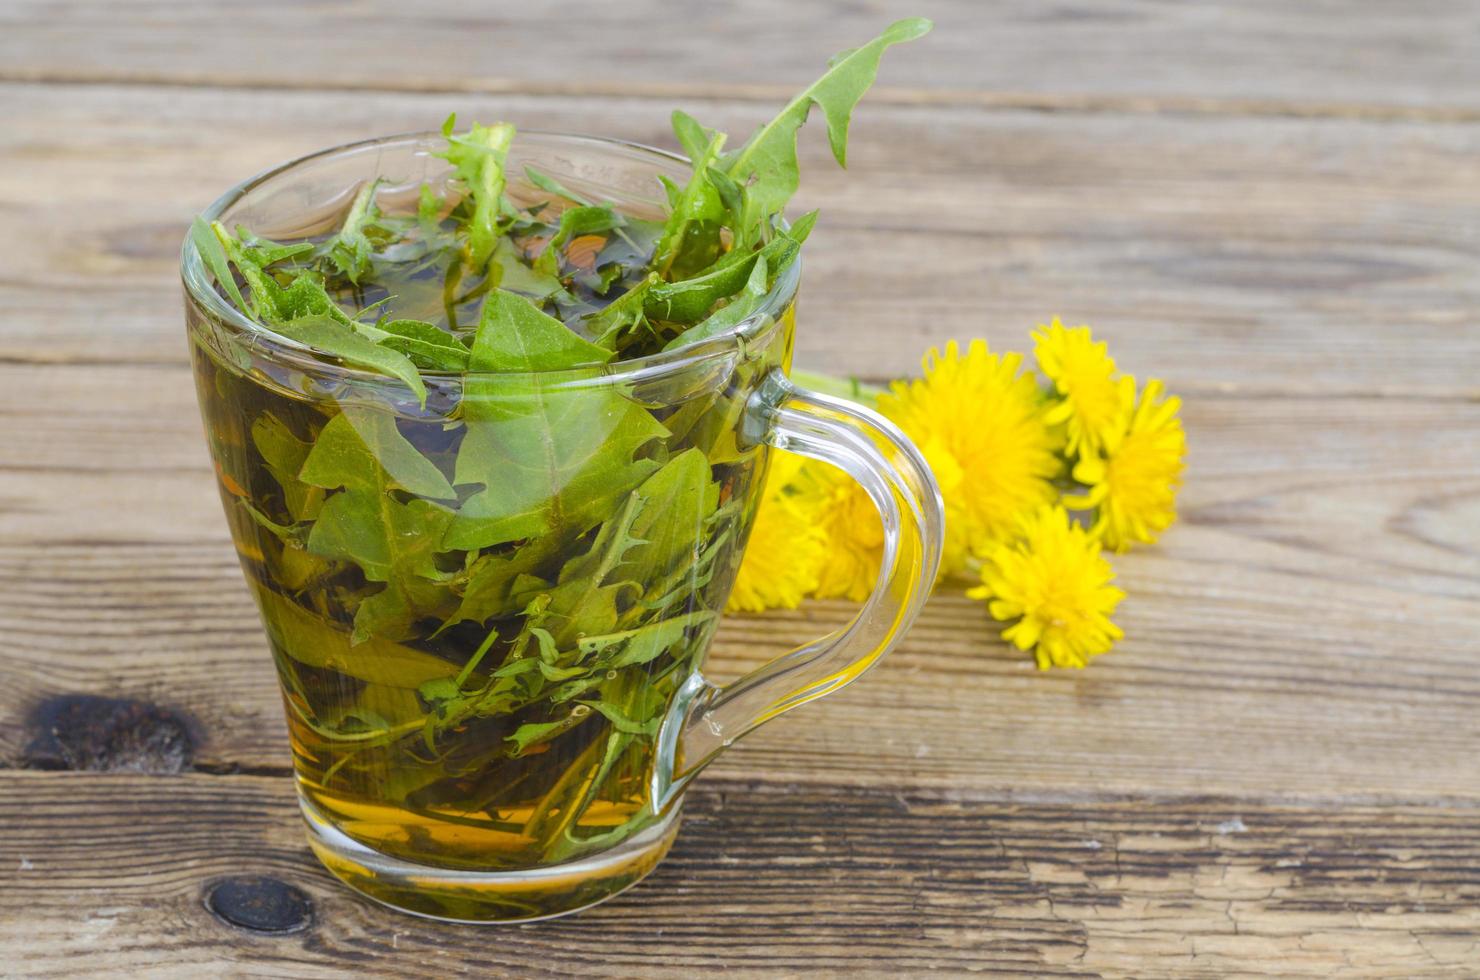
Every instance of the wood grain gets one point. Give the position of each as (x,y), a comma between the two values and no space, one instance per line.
(1196,700)
(1414,59)
(1272,206)
(1259,256)
(775,880)
(1310,628)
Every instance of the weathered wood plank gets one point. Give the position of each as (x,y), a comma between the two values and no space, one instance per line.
(1221,189)
(105,875)
(1311,628)
(1262,256)
(1199,698)
(115,455)
(1267,55)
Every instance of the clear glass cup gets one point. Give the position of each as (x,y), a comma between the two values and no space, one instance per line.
(513,737)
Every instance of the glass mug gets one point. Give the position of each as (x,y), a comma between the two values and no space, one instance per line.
(513,738)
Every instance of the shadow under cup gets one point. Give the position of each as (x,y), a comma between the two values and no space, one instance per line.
(489,612)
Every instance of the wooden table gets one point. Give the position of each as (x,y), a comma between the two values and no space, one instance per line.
(1273,206)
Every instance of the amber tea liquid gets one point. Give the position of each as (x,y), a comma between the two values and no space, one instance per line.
(479,744)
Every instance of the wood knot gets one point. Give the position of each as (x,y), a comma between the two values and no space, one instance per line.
(259,904)
(84,732)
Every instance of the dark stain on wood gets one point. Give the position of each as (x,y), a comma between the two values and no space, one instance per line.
(805,880)
(258,903)
(1307,634)
(98,734)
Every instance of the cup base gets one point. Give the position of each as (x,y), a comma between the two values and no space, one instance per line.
(488,896)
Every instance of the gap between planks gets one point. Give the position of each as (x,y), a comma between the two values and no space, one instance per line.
(876,884)
(1072,103)
(1221,391)
(906,794)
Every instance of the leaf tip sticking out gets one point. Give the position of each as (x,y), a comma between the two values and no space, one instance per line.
(909,28)
(767,164)
(208,245)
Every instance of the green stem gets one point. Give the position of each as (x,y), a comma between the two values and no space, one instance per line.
(850,388)
(472,663)
(554,838)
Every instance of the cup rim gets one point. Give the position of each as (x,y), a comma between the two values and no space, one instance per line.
(264,340)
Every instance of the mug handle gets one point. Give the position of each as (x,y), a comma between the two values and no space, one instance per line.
(706,719)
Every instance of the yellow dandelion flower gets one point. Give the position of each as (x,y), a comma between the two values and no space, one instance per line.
(786,549)
(980,419)
(955,550)
(849,524)
(1055,582)
(1095,404)
(1133,489)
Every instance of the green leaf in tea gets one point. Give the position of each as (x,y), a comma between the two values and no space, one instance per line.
(691,238)
(767,163)
(547,454)
(515,276)
(677,500)
(350,250)
(284,454)
(692,299)
(333,337)
(362,455)
(429,213)
(515,337)
(214,255)
(488,588)
(362,449)
(550,185)
(732,314)
(622,723)
(309,639)
(478,158)
(424,344)
(588,595)
(623,317)
(694,137)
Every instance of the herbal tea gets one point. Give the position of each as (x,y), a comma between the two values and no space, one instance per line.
(474,679)
(488,556)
